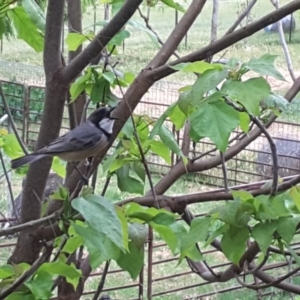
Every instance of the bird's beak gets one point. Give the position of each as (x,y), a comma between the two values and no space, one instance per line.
(111,110)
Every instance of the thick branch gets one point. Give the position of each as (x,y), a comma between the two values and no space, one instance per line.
(226,41)
(177,34)
(100,41)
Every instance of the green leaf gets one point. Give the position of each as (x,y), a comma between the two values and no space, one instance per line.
(199,230)
(220,230)
(118,39)
(174,5)
(20,296)
(11,146)
(264,66)
(139,170)
(73,243)
(241,195)
(196,67)
(295,195)
(244,121)
(215,121)
(2,27)
(138,234)
(35,13)
(139,26)
(263,234)
(249,93)
(99,90)
(60,268)
(75,39)
(58,167)
(78,86)
(132,261)
(177,117)
(6,271)
(26,29)
(102,216)
(168,139)
(295,255)
(40,285)
(275,101)
(99,245)
(167,234)
(124,224)
(233,243)
(161,150)
(286,228)
(127,183)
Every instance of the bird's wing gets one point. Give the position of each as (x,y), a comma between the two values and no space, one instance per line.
(82,137)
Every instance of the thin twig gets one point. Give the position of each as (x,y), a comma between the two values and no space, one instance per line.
(106,186)
(272,283)
(143,158)
(241,17)
(146,20)
(31,224)
(224,170)
(102,281)
(283,43)
(11,195)
(43,258)
(11,120)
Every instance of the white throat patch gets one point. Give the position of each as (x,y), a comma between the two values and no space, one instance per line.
(107,125)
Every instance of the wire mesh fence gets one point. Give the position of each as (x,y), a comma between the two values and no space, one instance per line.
(163,280)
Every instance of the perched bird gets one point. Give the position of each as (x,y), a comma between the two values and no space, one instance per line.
(82,142)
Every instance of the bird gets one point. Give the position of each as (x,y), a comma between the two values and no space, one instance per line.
(80,143)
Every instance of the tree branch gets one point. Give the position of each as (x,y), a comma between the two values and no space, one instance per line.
(100,41)
(226,41)
(177,34)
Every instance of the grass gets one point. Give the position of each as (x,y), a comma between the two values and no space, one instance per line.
(138,51)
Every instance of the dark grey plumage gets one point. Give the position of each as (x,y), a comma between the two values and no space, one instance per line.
(84,141)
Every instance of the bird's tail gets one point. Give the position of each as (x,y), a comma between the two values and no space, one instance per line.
(24,160)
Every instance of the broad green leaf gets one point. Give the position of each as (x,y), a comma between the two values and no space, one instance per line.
(99,90)
(215,121)
(35,13)
(208,81)
(75,39)
(2,27)
(264,66)
(295,195)
(60,194)
(244,121)
(26,29)
(164,218)
(11,146)
(20,296)
(99,245)
(134,210)
(6,271)
(168,139)
(109,76)
(78,86)
(177,117)
(167,234)
(197,67)
(184,101)
(139,26)
(263,234)
(132,261)
(249,93)
(286,228)
(139,170)
(275,101)
(40,285)
(73,243)
(71,274)
(118,39)
(242,195)
(161,150)
(127,183)
(138,234)
(173,4)
(124,224)
(158,124)
(199,230)
(102,216)
(58,167)
(233,243)
(220,230)
(120,162)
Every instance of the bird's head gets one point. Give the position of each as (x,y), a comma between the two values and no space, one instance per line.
(102,118)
